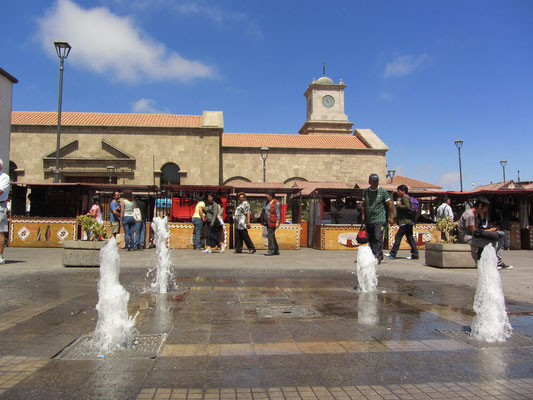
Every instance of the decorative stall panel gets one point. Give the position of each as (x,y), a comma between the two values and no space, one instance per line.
(41,232)
(336,237)
(287,236)
(516,240)
(181,235)
(422,233)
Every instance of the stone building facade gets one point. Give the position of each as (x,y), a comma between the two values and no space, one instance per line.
(148,149)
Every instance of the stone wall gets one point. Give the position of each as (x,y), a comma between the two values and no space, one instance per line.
(194,150)
(348,166)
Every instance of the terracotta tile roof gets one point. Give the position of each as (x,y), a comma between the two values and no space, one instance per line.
(276,140)
(309,187)
(401,180)
(411,183)
(105,119)
(501,186)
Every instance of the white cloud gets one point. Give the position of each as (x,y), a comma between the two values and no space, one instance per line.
(112,45)
(403,65)
(148,106)
(449,178)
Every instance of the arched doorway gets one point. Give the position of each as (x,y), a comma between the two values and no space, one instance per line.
(170,174)
(12,173)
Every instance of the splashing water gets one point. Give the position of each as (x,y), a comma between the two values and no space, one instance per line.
(367,308)
(366,270)
(114,328)
(491,323)
(164,271)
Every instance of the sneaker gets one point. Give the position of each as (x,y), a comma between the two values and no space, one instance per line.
(412,258)
(222,248)
(389,256)
(2,260)
(206,251)
(505,266)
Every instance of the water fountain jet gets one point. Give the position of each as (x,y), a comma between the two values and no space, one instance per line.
(114,328)
(164,271)
(491,323)
(366,270)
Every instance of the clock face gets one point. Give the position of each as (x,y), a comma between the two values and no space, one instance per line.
(328,101)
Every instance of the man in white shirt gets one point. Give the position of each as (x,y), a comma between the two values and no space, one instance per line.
(445,209)
(4,193)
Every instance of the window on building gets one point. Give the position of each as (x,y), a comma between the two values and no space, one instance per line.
(170,174)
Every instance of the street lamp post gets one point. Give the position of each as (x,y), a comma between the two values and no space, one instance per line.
(459,144)
(62,49)
(110,170)
(391,173)
(503,163)
(264,156)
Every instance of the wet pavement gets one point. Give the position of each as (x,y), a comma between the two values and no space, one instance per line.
(253,327)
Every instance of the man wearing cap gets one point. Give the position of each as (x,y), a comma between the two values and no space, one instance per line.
(376,202)
(4,193)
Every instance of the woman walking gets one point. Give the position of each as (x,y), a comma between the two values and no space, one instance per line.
(127,220)
(271,218)
(198,222)
(242,223)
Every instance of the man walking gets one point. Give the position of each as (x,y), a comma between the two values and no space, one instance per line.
(4,193)
(114,214)
(405,219)
(471,232)
(445,209)
(376,202)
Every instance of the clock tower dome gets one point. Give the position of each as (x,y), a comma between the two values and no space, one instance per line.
(325,109)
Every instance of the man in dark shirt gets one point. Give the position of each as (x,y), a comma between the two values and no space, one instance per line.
(405,223)
(376,203)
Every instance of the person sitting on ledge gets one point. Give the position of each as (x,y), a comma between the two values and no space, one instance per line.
(471,232)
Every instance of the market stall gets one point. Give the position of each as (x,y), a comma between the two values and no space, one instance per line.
(44,215)
(289,233)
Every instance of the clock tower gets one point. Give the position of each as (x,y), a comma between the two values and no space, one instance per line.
(325,109)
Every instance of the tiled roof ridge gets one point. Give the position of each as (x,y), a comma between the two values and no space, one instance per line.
(74,118)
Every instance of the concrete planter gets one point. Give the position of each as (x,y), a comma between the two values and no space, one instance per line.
(82,253)
(445,255)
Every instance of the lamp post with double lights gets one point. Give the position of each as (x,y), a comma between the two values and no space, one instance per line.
(503,163)
(110,170)
(264,156)
(390,174)
(62,50)
(459,144)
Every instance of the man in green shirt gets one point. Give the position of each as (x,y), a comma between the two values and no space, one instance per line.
(376,205)
(405,223)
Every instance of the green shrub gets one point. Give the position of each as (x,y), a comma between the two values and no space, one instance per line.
(92,227)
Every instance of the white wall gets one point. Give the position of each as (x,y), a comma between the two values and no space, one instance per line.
(6,90)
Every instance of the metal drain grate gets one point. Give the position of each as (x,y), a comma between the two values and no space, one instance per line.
(515,340)
(287,311)
(144,346)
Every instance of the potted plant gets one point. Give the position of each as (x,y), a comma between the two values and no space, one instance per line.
(85,253)
(449,253)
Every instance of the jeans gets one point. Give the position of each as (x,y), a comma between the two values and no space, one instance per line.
(140,232)
(404,230)
(480,243)
(375,238)
(240,236)
(197,235)
(272,242)
(129,227)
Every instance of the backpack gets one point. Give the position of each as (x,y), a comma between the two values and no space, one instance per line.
(415,205)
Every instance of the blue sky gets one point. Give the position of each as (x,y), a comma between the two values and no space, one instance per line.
(419,73)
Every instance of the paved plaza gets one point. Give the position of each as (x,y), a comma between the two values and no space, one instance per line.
(241,326)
